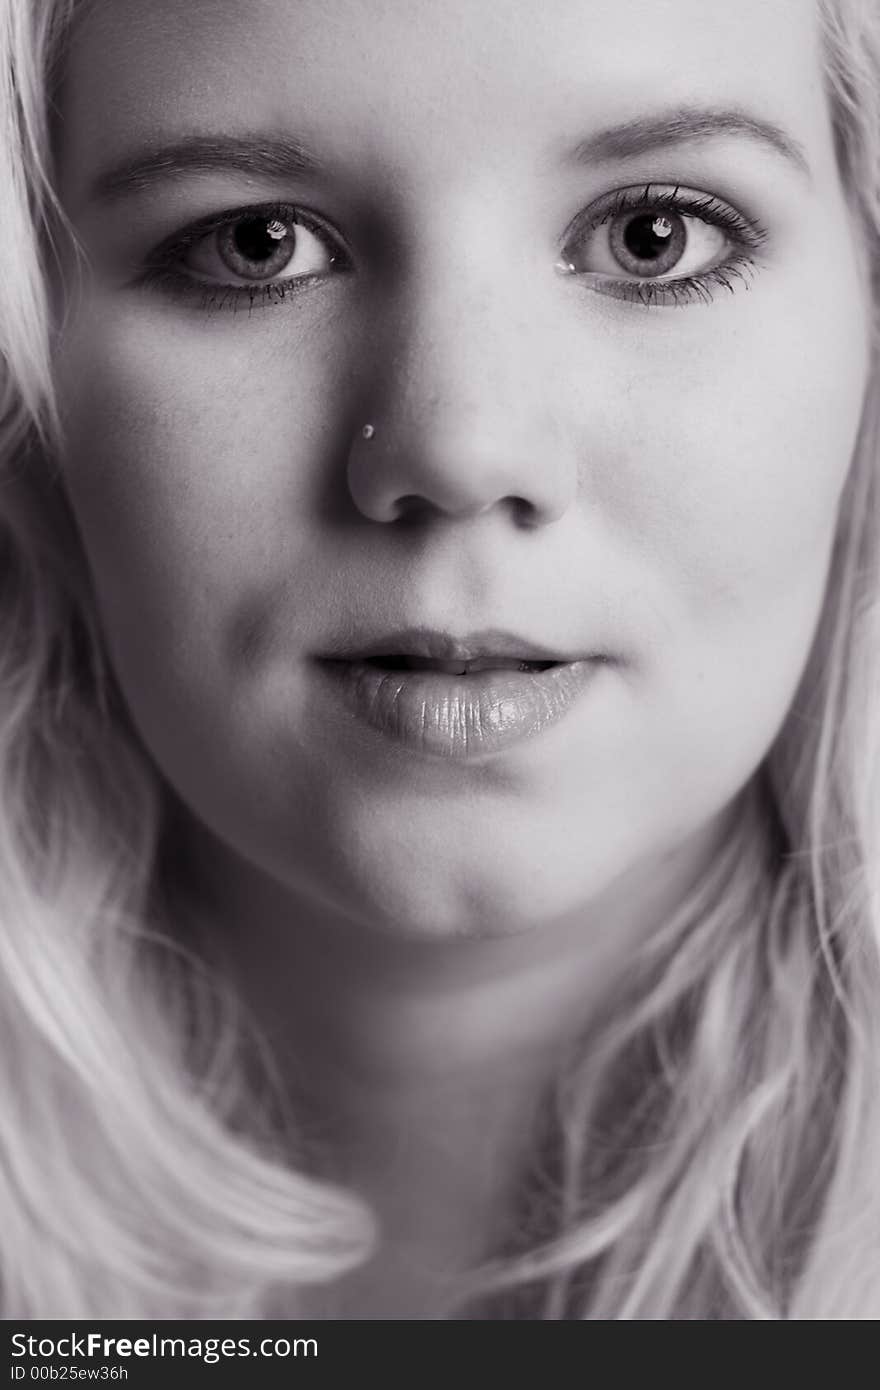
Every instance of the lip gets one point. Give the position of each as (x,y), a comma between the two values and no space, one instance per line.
(458,716)
(442,646)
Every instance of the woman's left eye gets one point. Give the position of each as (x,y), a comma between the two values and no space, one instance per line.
(661,245)
(652,243)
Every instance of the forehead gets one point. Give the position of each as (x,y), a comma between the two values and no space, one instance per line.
(430,79)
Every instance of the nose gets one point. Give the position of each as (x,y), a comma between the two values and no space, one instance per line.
(465,411)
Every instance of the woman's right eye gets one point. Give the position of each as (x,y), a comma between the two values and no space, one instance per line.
(257,247)
(259,253)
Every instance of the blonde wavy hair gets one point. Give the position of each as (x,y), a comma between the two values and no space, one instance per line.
(714,1144)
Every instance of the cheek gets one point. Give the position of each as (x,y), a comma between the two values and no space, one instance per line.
(191,461)
(731,479)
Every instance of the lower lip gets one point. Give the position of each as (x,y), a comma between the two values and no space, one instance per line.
(460,717)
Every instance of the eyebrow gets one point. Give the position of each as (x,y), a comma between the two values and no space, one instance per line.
(267,156)
(278,157)
(683,125)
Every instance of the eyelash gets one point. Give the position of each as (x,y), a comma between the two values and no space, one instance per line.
(747,237)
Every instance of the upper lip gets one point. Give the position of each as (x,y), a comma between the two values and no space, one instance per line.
(433,645)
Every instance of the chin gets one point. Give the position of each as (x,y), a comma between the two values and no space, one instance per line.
(460,906)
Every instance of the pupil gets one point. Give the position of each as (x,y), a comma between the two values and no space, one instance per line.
(258,238)
(647,236)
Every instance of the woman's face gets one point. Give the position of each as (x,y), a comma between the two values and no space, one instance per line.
(588,271)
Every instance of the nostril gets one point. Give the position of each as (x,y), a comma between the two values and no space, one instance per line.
(414,508)
(411,507)
(525,513)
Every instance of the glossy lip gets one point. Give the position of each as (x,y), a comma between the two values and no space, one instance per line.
(457,716)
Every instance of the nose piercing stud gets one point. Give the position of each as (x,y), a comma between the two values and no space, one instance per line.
(368,431)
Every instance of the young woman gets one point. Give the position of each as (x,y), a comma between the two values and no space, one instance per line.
(439,507)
